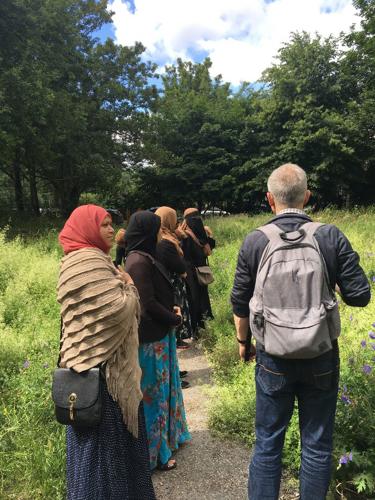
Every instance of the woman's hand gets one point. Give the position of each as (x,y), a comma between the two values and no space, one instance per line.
(183,275)
(177,311)
(125,277)
(207,250)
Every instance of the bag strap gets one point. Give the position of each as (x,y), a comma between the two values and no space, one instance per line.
(155,263)
(277,238)
(59,358)
(270,230)
(310,228)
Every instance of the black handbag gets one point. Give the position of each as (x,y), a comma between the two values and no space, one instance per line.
(204,275)
(78,397)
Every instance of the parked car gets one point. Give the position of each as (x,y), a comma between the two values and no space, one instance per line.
(117,217)
(209,212)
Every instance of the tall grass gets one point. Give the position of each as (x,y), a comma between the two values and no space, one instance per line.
(232,411)
(32,445)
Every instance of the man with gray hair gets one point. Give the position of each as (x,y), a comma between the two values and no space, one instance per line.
(288,271)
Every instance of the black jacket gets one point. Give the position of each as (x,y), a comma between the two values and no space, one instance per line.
(168,255)
(342,263)
(193,253)
(156,296)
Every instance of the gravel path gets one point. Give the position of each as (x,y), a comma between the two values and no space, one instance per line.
(208,468)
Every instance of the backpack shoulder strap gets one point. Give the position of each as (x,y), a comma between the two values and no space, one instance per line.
(310,228)
(272,231)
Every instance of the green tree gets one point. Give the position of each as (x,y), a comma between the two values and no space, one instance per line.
(73,109)
(193,141)
(303,118)
(358,68)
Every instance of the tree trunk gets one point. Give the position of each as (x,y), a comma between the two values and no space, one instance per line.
(348,201)
(68,197)
(33,191)
(18,189)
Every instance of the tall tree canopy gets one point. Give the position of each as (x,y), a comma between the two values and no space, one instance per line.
(73,109)
(80,116)
(194,137)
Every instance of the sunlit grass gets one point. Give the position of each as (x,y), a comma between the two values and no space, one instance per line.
(32,445)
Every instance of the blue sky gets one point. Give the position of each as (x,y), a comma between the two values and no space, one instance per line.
(240,36)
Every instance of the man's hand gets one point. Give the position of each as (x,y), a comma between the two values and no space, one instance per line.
(250,355)
(242,351)
(242,328)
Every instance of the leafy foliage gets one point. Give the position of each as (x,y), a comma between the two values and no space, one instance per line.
(73,109)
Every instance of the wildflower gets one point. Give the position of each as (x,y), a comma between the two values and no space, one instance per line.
(363,343)
(347,457)
(26,364)
(372,345)
(46,365)
(366,369)
(371,335)
(373,325)
(373,279)
(351,317)
(345,399)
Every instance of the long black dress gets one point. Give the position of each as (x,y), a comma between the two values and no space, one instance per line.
(199,300)
(174,263)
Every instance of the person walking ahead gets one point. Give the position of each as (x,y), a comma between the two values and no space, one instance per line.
(289,269)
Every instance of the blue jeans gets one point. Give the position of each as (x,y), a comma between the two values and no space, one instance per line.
(314,382)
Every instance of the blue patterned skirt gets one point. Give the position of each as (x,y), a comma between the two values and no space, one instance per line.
(107,462)
(162,398)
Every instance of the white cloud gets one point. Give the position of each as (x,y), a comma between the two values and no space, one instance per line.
(240,36)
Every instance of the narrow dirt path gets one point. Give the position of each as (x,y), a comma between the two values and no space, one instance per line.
(208,468)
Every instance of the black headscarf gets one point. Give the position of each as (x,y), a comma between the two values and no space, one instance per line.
(142,232)
(196,225)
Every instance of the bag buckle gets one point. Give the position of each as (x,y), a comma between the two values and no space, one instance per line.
(72,399)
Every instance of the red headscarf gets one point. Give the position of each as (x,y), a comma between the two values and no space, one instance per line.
(82,229)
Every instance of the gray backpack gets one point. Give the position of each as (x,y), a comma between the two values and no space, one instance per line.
(293,312)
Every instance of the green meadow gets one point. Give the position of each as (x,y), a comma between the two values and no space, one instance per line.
(32,445)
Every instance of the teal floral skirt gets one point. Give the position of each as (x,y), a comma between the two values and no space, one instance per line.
(162,399)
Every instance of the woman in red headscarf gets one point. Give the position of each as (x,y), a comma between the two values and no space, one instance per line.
(100,314)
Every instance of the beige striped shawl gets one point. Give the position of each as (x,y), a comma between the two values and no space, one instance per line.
(100,317)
